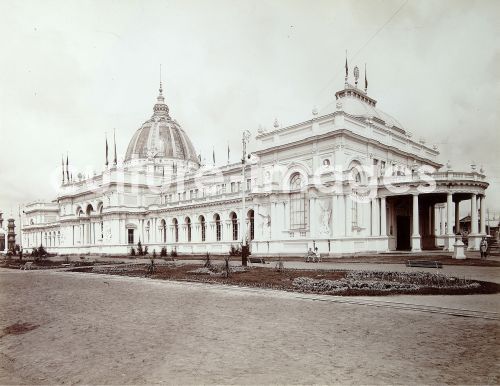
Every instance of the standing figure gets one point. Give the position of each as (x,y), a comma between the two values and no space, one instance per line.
(483,248)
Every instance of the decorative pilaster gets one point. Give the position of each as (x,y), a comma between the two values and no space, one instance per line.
(415,238)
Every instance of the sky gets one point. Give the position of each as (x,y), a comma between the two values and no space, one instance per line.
(73,71)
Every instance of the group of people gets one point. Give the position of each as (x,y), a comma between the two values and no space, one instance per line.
(313,256)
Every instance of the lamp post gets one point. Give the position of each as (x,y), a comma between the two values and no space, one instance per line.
(244,248)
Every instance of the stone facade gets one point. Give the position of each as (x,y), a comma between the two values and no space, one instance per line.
(347,180)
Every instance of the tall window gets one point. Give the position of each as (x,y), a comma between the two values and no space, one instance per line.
(188,224)
(218,228)
(203,228)
(251,218)
(130,236)
(298,205)
(164,231)
(234,223)
(176,230)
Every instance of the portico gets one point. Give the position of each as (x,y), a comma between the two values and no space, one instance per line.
(413,212)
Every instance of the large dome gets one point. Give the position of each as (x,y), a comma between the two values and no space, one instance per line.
(160,137)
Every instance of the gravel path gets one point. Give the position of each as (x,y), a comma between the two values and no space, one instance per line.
(98,329)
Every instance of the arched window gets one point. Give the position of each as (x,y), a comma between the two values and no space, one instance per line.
(203,227)
(188,229)
(102,222)
(218,227)
(234,225)
(163,231)
(251,215)
(176,229)
(298,205)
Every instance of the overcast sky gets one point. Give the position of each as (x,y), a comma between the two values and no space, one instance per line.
(70,71)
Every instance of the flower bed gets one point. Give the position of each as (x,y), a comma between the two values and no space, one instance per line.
(334,282)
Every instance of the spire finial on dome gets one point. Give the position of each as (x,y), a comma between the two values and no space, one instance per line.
(161,87)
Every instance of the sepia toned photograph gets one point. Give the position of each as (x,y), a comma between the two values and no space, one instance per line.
(249,192)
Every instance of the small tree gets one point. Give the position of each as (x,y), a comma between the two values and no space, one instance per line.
(163,252)
(173,253)
(208,262)
(132,251)
(227,270)
(152,267)
(145,252)
(140,252)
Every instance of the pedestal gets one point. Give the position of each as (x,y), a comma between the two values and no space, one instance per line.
(459,248)
(415,244)
(473,241)
(449,241)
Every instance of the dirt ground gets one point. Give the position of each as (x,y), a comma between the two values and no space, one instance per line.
(100,329)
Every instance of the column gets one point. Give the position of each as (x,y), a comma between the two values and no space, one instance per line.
(449,238)
(383,217)
(348,215)
(338,205)
(442,220)
(473,211)
(473,239)
(375,217)
(415,238)
(457,217)
(482,213)
(313,217)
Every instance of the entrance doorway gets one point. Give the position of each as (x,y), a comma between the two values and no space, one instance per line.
(403,233)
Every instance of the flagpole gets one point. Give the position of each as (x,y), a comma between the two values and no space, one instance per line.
(244,248)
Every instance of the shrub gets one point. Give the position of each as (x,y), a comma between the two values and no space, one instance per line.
(154,254)
(235,251)
(132,251)
(163,252)
(145,251)
(140,252)
(280,267)
(173,253)
(41,251)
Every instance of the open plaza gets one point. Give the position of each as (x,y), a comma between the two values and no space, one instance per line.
(85,328)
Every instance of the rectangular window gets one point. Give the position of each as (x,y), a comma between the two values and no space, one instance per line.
(223,189)
(299,211)
(249,184)
(233,187)
(130,236)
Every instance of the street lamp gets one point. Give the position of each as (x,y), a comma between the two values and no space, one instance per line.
(244,248)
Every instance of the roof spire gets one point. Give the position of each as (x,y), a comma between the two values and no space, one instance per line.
(106,136)
(114,141)
(160,108)
(366,80)
(346,69)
